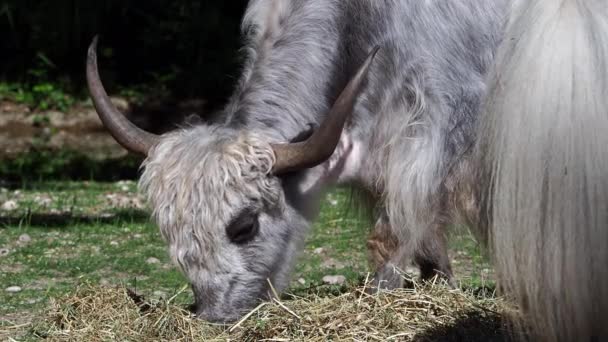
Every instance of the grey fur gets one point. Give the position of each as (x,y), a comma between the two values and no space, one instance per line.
(409,129)
(543,157)
(533,185)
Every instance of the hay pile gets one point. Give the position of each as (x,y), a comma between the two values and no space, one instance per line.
(428,313)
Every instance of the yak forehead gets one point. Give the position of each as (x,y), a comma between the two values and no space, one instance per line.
(196,179)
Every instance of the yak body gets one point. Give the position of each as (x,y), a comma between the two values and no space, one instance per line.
(413,121)
(487,112)
(542,157)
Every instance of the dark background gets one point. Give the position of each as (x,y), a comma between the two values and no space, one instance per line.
(177,48)
(167,60)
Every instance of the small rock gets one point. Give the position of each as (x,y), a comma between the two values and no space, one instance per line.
(302,281)
(43,201)
(318,250)
(13,289)
(334,280)
(152,260)
(24,238)
(4,252)
(113,243)
(121,200)
(10,205)
(104,282)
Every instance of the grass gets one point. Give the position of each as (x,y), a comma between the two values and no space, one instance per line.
(62,239)
(80,232)
(428,313)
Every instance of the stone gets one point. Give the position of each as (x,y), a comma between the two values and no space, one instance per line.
(152,260)
(24,238)
(9,205)
(334,279)
(13,289)
(43,201)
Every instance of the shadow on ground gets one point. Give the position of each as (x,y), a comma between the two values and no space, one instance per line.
(471,327)
(63,220)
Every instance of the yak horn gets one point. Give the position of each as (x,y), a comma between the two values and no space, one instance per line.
(322,143)
(124,131)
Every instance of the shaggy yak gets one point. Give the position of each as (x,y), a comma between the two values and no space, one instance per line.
(491,113)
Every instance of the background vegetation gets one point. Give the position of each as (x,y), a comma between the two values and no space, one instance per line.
(178,48)
(156,55)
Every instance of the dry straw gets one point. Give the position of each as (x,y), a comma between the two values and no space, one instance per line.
(431,312)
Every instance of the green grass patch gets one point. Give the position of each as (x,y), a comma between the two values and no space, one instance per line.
(56,236)
(39,165)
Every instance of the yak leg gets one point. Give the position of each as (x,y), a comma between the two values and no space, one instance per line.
(381,244)
(431,256)
(382,249)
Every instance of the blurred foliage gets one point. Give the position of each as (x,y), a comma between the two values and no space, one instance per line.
(39,90)
(175,48)
(44,164)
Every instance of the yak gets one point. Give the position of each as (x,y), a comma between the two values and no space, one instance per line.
(489,113)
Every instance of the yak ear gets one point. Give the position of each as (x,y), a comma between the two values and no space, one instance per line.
(345,163)
(342,167)
(305,134)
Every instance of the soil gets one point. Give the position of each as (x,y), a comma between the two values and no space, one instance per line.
(79,128)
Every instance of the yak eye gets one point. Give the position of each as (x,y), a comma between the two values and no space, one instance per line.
(243,228)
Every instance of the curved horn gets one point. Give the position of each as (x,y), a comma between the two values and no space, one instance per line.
(124,131)
(322,143)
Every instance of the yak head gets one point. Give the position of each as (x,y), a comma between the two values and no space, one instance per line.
(222,198)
